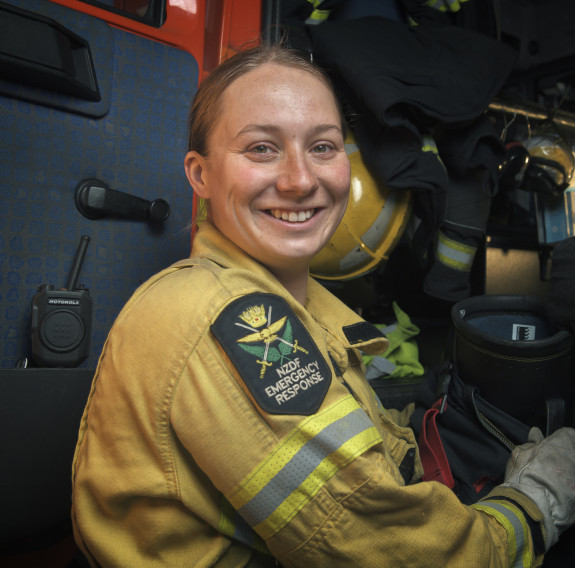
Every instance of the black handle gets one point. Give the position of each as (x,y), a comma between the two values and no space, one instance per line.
(94,199)
(38,51)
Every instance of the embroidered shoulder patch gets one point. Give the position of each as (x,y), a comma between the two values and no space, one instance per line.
(274,354)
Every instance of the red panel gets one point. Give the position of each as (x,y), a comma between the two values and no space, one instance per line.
(183,28)
(228,25)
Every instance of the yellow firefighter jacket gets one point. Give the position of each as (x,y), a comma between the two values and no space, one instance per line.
(228,425)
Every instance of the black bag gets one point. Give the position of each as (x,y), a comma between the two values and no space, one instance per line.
(464,441)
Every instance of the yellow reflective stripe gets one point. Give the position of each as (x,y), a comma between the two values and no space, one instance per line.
(429,145)
(445,5)
(456,255)
(515,526)
(430,148)
(318,15)
(280,486)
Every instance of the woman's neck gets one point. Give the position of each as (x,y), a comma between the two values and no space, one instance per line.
(294,281)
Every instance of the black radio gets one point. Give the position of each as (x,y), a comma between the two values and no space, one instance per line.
(62,319)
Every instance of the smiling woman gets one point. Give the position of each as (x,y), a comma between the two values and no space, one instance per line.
(230,422)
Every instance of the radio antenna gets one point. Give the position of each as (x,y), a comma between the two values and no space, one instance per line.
(77,264)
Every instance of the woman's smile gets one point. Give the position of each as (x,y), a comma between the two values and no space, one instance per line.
(292,216)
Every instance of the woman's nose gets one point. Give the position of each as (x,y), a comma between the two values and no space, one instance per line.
(296,174)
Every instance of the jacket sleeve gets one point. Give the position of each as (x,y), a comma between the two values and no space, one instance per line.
(322,489)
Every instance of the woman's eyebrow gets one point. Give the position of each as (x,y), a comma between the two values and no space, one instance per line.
(274,129)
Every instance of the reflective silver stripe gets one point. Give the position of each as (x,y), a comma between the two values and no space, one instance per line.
(302,464)
(516,528)
(456,255)
(242,531)
(389,328)
(232,525)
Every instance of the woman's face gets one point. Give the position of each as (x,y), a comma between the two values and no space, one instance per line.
(276,175)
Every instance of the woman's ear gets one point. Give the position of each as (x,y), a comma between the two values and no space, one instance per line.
(194,166)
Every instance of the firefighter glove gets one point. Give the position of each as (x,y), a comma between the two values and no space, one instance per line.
(543,469)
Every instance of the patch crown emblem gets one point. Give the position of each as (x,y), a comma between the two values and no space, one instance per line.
(255,316)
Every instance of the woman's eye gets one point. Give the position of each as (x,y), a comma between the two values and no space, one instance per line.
(259,149)
(322,148)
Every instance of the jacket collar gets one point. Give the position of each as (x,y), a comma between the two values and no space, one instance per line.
(332,314)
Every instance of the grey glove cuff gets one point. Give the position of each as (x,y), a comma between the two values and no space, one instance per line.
(544,471)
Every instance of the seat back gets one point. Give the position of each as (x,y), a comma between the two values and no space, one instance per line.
(40,412)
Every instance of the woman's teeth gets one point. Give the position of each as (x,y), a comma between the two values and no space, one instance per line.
(292,216)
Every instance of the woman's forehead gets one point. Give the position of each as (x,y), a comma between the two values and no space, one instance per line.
(274,84)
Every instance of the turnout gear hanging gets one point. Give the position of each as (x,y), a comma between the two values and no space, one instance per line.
(440,76)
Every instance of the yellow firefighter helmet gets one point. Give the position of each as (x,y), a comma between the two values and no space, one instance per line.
(372,225)
(551,164)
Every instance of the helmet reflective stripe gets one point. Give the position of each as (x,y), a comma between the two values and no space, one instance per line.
(367,243)
(280,486)
(350,148)
(454,254)
(515,526)
(372,225)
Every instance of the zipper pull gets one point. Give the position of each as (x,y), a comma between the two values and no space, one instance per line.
(445,382)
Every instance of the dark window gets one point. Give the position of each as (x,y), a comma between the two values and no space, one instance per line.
(151,12)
